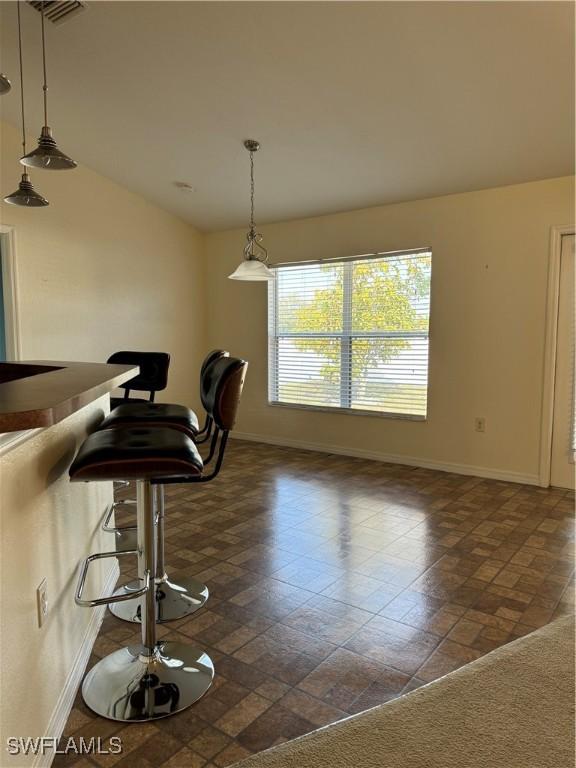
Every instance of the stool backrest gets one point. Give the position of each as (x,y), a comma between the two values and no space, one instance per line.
(211,357)
(153,376)
(224,383)
(225,380)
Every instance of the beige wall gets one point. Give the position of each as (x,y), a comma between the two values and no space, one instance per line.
(490,258)
(101,269)
(47,525)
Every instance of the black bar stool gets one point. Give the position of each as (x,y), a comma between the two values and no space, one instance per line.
(224,380)
(146,414)
(169,414)
(174,600)
(216,354)
(152,378)
(153,679)
(155,367)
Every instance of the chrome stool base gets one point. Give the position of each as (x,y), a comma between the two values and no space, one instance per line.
(131,687)
(173,601)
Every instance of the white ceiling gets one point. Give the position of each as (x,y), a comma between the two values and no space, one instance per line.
(355,104)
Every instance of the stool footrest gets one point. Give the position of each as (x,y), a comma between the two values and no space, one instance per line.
(83,573)
(110,528)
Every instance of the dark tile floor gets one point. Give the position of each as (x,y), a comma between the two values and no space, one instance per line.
(337,584)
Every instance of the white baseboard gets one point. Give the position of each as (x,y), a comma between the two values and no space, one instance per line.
(65,702)
(391,458)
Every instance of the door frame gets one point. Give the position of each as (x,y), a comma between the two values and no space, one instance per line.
(11,293)
(549,373)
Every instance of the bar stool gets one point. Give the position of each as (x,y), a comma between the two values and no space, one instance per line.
(160,414)
(146,414)
(182,599)
(154,372)
(204,434)
(152,378)
(223,380)
(155,678)
(169,414)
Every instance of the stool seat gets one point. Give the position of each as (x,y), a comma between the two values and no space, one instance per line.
(153,414)
(136,453)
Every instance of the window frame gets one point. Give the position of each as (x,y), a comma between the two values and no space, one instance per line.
(346,337)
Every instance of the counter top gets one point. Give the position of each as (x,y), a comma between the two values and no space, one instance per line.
(47,391)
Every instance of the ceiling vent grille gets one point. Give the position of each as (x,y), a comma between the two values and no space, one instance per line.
(58,11)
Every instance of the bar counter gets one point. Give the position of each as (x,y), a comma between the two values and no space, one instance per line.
(36,393)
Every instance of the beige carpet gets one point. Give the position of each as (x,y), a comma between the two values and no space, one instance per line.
(513,708)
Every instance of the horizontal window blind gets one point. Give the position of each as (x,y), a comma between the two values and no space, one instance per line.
(351,333)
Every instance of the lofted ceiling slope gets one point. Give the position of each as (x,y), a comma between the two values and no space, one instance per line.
(355,103)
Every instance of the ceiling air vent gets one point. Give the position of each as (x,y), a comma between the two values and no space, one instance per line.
(58,11)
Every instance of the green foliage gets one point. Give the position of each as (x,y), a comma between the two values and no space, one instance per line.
(385,296)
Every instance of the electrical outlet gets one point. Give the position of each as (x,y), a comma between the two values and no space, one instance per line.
(480,424)
(42,602)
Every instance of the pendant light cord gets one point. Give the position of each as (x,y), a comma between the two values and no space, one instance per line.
(21,80)
(254,248)
(252,225)
(45,86)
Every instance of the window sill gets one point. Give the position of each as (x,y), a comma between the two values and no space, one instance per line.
(348,411)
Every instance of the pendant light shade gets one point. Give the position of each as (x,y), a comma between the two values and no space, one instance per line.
(253,267)
(47,155)
(26,195)
(5,84)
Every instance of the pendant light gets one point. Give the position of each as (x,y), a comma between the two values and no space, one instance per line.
(255,255)
(25,195)
(47,155)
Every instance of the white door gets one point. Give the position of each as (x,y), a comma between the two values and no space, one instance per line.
(562,471)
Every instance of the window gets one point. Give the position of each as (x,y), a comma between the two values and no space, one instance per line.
(351,333)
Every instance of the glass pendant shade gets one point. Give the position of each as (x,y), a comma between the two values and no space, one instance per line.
(252,269)
(26,195)
(5,84)
(47,155)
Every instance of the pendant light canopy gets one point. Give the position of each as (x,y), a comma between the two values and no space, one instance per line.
(25,195)
(5,84)
(47,155)
(255,255)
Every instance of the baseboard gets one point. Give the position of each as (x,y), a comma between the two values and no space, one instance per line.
(391,458)
(66,700)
